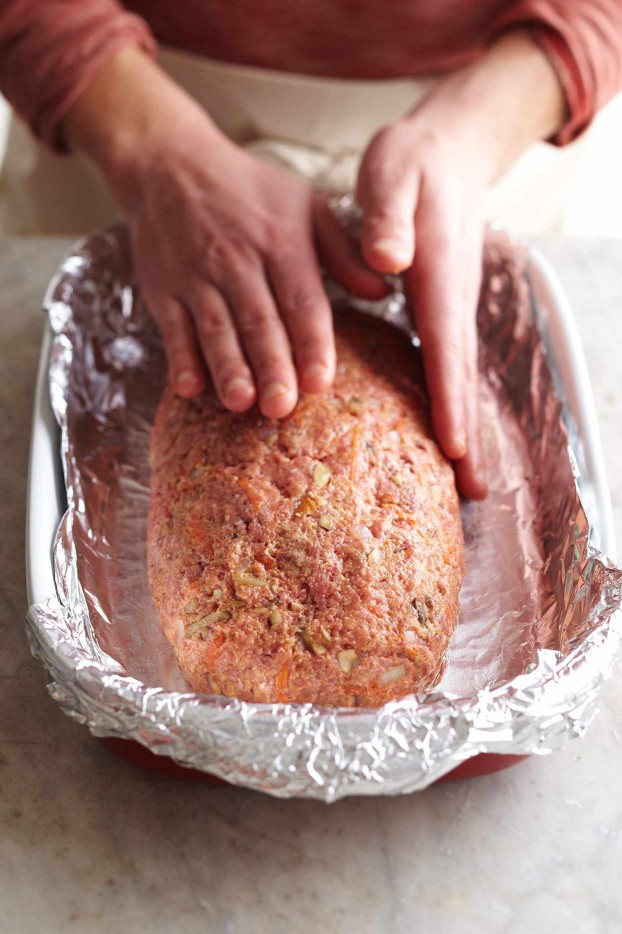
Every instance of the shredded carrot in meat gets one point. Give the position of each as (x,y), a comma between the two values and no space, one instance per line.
(251,494)
(281,683)
(355,435)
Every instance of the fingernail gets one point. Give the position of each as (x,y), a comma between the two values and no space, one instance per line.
(186,381)
(315,371)
(396,249)
(481,475)
(461,443)
(274,390)
(238,386)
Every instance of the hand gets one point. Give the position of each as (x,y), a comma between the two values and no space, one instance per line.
(422,186)
(422,198)
(222,244)
(224,252)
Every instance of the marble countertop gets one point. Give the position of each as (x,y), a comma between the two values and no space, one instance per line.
(89,843)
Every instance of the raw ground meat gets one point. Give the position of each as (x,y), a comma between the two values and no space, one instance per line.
(317,559)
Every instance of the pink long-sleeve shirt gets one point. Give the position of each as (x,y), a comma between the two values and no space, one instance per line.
(50,50)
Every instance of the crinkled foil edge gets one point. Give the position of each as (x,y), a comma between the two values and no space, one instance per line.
(329,754)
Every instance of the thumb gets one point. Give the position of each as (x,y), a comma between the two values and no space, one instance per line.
(387,191)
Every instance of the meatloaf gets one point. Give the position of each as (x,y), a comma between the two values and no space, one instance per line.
(315,559)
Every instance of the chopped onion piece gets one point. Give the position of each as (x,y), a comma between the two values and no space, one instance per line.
(321,474)
(316,647)
(306,506)
(198,625)
(247,580)
(347,659)
(394,674)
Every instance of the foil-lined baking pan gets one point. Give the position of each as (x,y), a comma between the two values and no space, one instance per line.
(539,625)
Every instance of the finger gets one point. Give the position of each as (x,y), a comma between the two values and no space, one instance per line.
(264,340)
(434,285)
(470,470)
(387,191)
(186,372)
(342,258)
(221,349)
(304,308)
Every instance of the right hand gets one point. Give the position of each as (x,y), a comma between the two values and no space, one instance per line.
(223,244)
(224,252)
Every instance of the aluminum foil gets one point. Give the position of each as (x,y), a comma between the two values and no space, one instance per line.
(538,629)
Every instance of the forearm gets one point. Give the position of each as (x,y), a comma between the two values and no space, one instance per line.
(508,99)
(127,114)
(222,244)
(50,51)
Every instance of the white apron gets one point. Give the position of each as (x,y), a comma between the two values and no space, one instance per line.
(317,127)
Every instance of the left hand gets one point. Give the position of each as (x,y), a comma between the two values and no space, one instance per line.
(422,186)
(422,193)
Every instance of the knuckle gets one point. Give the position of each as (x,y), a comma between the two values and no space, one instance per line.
(179,351)
(313,347)
(255,320)
(445,399)
(221,257)
(186,362)
(438,346)
(211,322)
(388,219)
(271,366)
(386,214)
(300,302)
(230,367)
(433,141)
(284,262)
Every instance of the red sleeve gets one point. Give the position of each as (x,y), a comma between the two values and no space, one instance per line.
(50,50)
(583,41)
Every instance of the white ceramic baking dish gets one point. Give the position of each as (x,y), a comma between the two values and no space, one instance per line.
(46,488)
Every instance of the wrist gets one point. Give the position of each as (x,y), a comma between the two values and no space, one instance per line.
(131,115)
(496,108)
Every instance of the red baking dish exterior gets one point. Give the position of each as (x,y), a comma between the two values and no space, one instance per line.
(484,764)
